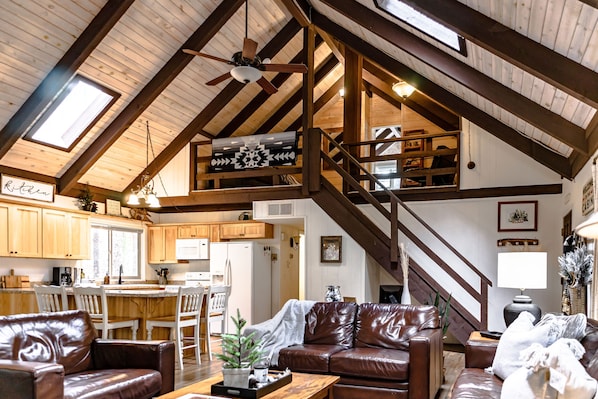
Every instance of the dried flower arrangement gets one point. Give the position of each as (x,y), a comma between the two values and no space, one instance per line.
(576,266)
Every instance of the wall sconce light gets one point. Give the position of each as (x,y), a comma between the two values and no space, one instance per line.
(403,89)
(341,92)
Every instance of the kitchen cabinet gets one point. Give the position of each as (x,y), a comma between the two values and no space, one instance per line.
(162,244)
(229,231)
(20,231)
(66,235)
(193,231)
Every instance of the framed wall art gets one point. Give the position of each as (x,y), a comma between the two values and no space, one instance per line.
(331,249)
(518,216)
(587,200)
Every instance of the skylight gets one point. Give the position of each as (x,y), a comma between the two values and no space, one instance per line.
(72,114)
(421,22)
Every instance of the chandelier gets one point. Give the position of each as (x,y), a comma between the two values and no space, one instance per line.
(144,195)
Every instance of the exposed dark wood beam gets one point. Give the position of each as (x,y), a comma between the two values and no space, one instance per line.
(555,162)
(527,54)
(218,200)
(260,98)
(297,12)
(215,106)
(62,72)
(515,103)
(352,99)
(420,104)
(149,93)
(323,69)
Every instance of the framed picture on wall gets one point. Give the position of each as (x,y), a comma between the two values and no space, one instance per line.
(587,200)
(331,249)
(518,216)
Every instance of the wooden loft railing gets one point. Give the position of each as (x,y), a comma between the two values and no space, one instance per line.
(318,139)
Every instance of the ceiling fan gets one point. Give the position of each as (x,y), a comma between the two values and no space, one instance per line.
(248,66)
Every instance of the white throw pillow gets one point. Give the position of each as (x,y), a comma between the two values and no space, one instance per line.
(553,372)
(517,337)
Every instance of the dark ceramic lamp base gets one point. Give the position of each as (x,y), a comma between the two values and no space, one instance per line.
(521,303)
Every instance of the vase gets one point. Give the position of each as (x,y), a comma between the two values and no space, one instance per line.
(405,295)
(333,293)
(238,378)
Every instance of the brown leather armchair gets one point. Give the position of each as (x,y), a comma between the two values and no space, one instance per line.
(58,355)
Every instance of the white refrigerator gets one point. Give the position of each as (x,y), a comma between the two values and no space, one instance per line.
(246,267)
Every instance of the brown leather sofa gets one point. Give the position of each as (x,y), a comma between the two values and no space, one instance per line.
(378,350)
(58,355)
(474,382)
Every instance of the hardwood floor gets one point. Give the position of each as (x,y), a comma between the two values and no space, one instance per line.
(454,361)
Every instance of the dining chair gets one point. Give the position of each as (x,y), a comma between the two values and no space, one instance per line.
(216,311)
(51,298)
(93,300)
(189,302)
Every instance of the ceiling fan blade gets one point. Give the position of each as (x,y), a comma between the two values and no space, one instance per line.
(219,79)
(213,57)
(267,86)
(285,68)
(249,48)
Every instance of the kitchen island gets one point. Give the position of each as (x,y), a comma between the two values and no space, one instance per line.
(148,302)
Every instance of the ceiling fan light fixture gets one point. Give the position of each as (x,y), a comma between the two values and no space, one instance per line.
(245,74)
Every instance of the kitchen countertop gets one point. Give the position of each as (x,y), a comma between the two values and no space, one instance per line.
(136,290)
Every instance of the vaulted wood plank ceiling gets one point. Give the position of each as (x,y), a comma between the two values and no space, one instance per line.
(529,76)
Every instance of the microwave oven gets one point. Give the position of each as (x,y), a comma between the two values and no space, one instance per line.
(192,248)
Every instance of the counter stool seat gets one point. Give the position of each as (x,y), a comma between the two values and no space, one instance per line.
(188,314)
(93,300)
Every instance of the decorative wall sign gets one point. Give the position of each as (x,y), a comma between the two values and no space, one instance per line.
(112,207)
(587,200)
(518,216)
(24,188)
(256,151)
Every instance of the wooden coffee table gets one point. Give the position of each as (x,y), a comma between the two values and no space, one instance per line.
(303,386)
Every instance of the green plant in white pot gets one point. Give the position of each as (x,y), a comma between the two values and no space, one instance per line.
(239,353)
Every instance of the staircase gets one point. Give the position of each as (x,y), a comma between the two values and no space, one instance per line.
(384,249)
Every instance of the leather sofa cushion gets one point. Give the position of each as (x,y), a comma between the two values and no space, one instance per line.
(391,325)
(51,338)
(330,323)
(388,364)
(307,358)
(113,384)
(476,384)
(590,344)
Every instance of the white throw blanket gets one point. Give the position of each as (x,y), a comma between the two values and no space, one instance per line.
(284,329)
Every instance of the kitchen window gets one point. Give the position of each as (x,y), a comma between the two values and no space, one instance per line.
(112,247)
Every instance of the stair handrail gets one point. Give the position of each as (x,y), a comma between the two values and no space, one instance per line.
(485,282)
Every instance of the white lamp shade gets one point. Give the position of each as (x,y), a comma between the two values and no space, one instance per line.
(133,200)
(245,74)
(522,270)
(588,228)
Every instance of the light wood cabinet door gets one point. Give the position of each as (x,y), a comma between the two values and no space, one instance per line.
(194,231)
(246,230)
(25,231)
(162,244)
(65,235)
(3,230)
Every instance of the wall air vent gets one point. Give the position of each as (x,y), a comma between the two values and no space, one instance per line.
(280,209)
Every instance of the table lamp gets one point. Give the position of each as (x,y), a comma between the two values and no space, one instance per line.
(523,270)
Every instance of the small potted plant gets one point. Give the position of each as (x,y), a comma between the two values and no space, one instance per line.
(239,354)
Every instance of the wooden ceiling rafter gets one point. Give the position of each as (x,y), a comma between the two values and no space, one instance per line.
(515,103)
(323,69)
(297,12)
(544,156)
(260,98)
(324,99)
(175,65)
(212,109)
(62,72)
(527,54)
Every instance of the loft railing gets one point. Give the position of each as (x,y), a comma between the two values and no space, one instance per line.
(318,140)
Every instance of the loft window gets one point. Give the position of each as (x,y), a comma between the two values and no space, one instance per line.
(419,21)
(73,112)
